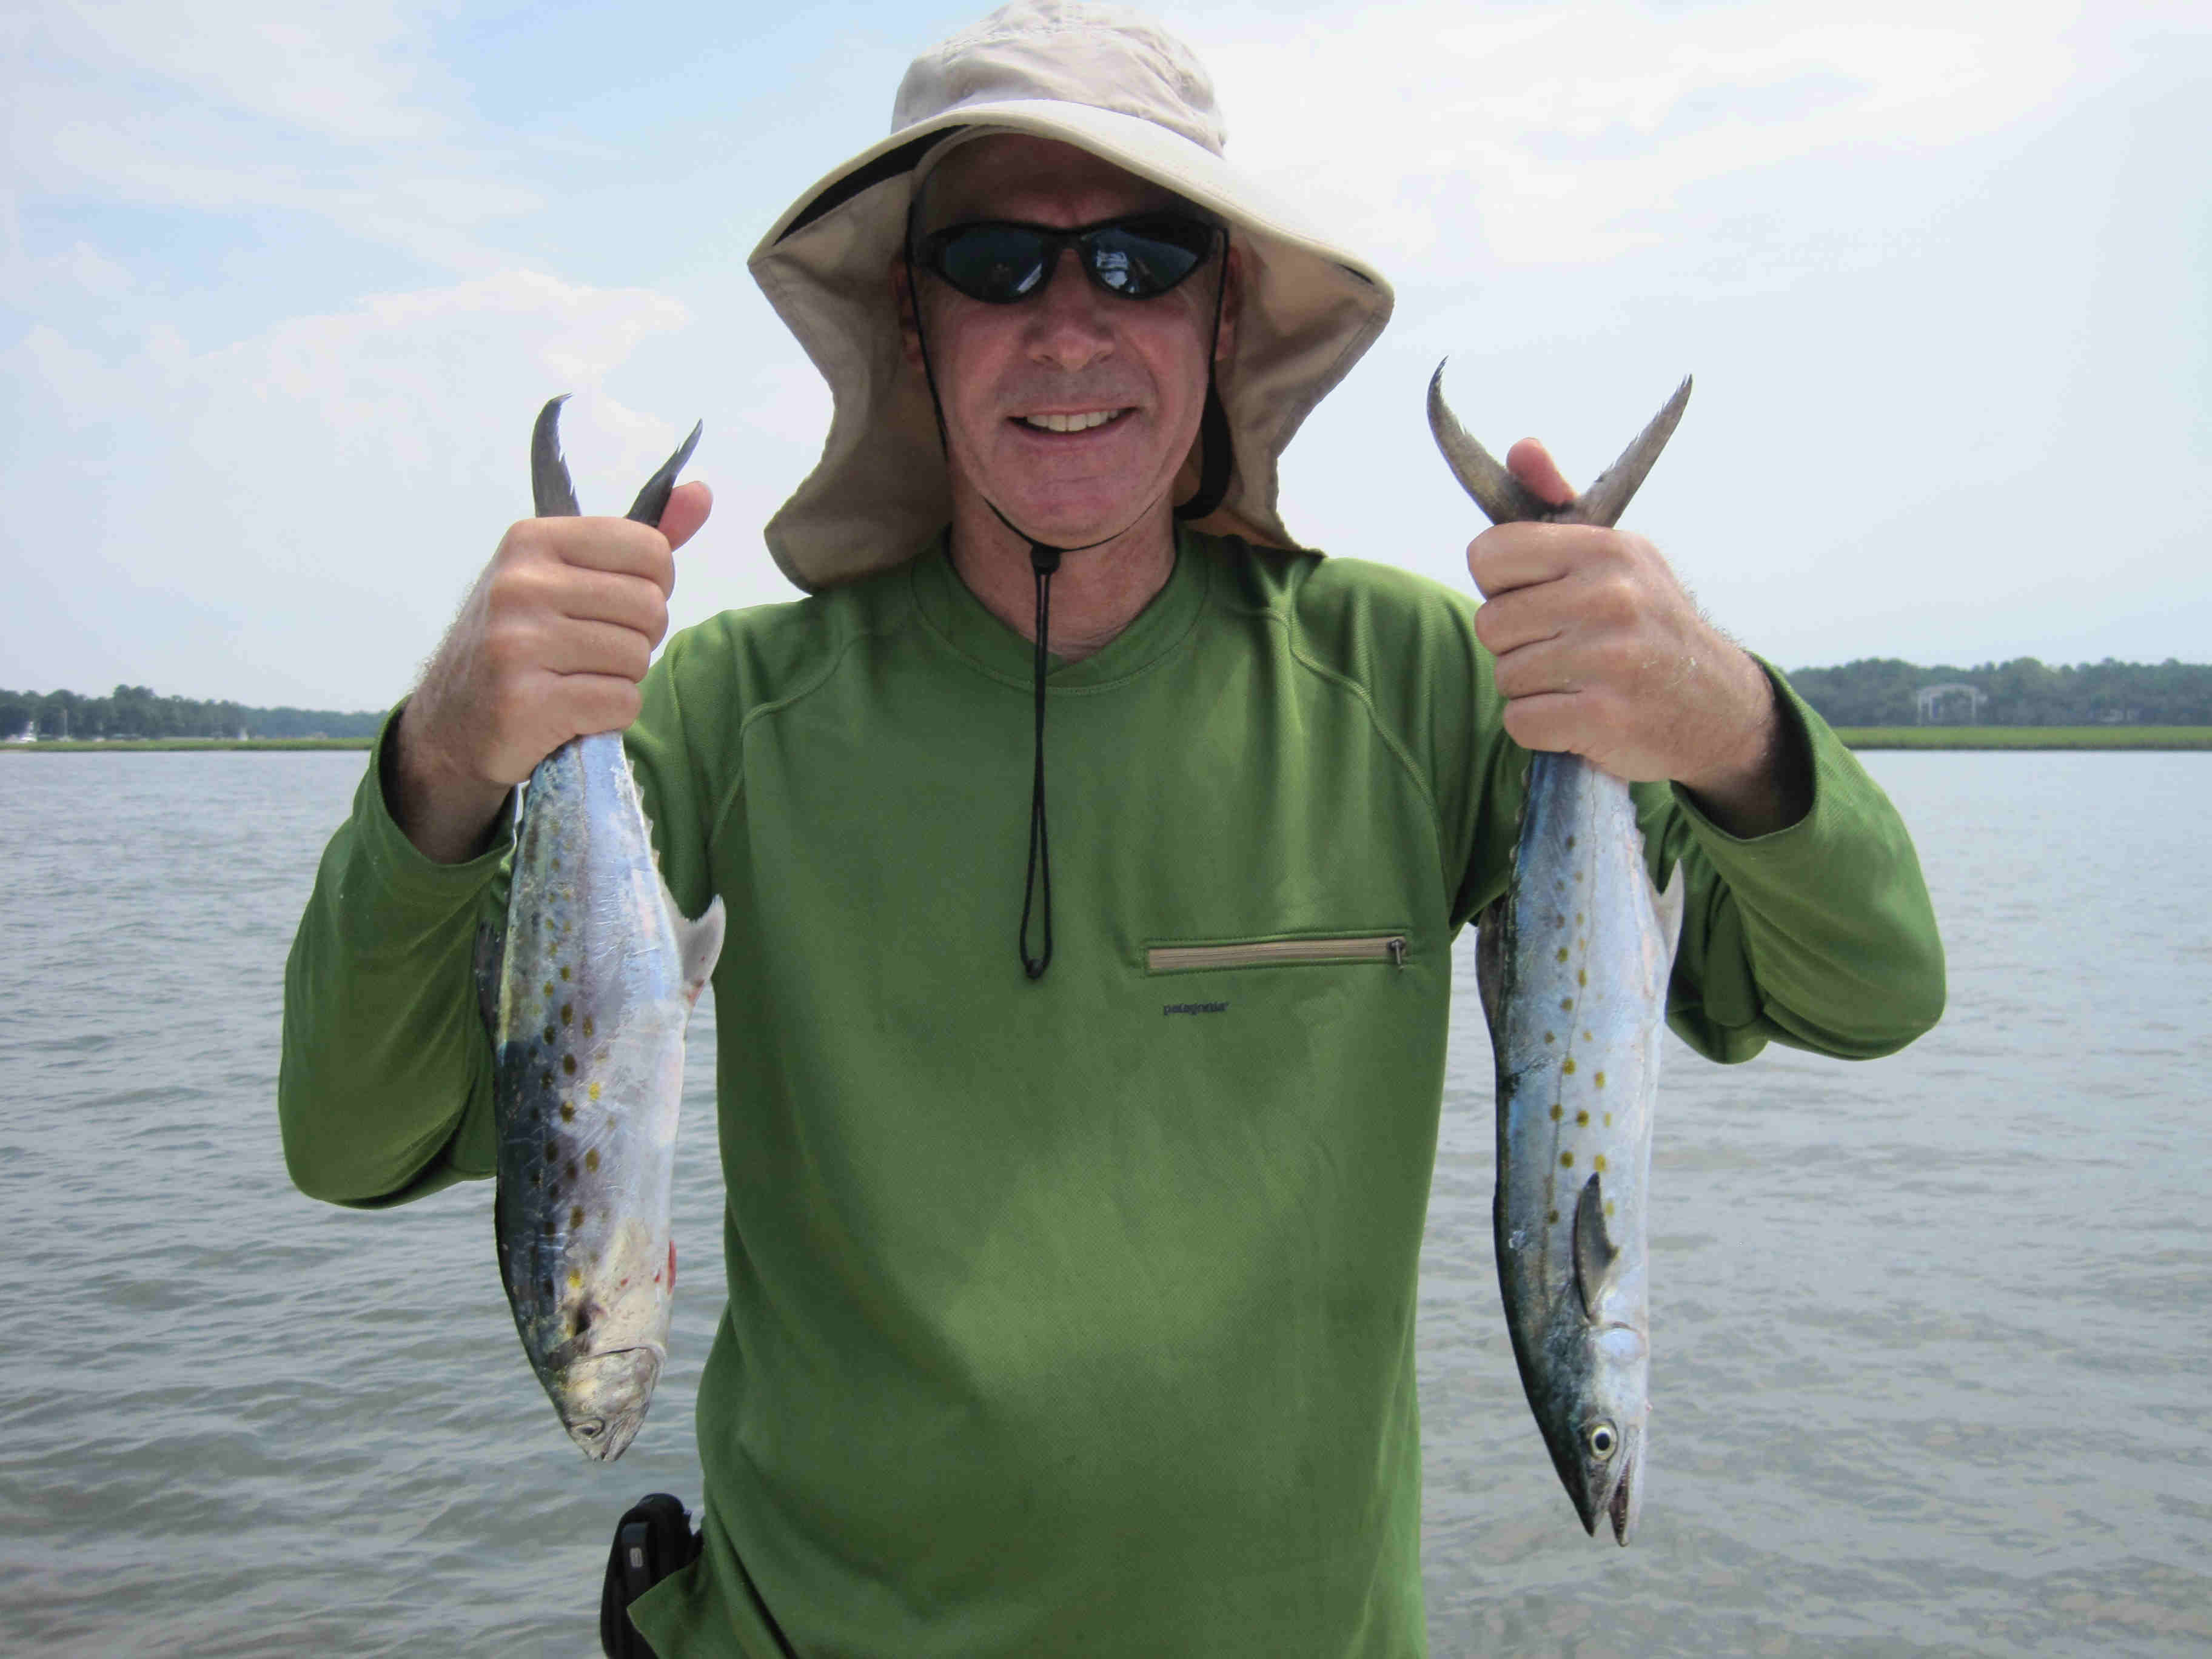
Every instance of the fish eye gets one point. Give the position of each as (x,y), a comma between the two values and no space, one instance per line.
(1603,1439)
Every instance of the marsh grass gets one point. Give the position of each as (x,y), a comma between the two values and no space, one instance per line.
(2026,736)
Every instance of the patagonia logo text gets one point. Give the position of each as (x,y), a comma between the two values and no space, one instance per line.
(1195,1008)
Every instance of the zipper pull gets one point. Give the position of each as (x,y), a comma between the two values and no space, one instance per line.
(1397,950)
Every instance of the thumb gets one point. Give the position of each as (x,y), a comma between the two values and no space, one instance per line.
(1532,464)
(688,508)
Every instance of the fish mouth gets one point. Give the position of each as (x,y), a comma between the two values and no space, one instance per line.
(1621,1508)
(605,1399)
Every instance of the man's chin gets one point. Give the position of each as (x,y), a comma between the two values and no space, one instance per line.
(1078,514)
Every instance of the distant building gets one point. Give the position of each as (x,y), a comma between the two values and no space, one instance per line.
(1930,701)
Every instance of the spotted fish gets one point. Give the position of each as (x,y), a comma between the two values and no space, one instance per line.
(586,991)
(1573,962)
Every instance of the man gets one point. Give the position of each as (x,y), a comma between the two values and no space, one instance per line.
(1062,1320)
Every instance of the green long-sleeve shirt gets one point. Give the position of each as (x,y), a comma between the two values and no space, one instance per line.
(1073,1316)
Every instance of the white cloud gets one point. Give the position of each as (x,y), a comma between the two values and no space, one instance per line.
(335,481)
(1564,134)
(348,70)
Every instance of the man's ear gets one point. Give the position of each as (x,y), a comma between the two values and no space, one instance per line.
(1232,304)
(902,298)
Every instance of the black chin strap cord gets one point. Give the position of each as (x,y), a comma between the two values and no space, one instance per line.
(1044,561)
(1215,460)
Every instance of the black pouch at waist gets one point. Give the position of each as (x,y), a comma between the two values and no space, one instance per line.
(653,1540)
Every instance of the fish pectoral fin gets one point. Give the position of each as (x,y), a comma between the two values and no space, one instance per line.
(698,943)
(490,959)
(551,490)
(1595,1254)
(1666,905)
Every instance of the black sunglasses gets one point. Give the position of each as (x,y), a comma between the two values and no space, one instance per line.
(1001,264)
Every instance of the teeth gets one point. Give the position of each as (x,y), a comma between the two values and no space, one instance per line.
(1071,422)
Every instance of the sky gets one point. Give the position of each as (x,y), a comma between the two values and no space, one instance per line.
(282,289)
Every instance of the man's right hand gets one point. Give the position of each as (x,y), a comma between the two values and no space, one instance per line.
(550,645)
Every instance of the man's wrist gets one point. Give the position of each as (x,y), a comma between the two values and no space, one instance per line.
(448,814)
(1765,783)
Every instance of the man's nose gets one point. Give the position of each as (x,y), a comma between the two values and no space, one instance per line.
(1070,329)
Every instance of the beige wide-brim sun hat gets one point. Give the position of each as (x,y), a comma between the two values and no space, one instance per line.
(1107,81)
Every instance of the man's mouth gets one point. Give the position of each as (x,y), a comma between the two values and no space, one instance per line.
(1083,422)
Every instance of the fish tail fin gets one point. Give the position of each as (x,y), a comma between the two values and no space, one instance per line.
(1503,497)
(552,492)
(653,500)
(1608,498)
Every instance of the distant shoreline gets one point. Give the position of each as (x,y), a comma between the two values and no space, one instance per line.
(141,745)
(2026,736)
(1856,737)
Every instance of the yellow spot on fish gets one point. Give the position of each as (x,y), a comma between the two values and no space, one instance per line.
(591,1158)
(575,1280)
(595,1090)
(549,987)
(567,1111)
(1582,1120)
(587,1025)
(545,1079)
(1555,1111)
(564,975)
(1578,918)
(1552,1216)
(1568,1065)
(1571,842)
(1566,1005)
(1582,974)
(1599,1079)
(1608,1120)
(550,1152)
(575,1217)
(568,1009)
(1587,1037)
(1563,953)
(549,1036)
(1598,1163)
(568,1064)
(1608,1206)
(570,1172)
(1550,1037)
(1566,1160)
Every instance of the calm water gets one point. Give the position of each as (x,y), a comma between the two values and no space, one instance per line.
(1933,1372)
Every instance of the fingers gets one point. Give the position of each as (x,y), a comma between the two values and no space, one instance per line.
(1510,556)
(594,647)
(1549,721)
(599,702)
(687,510)
(628,602)
(615,545)
(1532,464)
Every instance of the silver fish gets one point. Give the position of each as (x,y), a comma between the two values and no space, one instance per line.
(1573,964)
(587,992)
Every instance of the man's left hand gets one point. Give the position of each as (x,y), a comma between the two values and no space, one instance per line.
(1602,653)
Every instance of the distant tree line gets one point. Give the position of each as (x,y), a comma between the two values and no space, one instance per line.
(134,711)
(1879,691)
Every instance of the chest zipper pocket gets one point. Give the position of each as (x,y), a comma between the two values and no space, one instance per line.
(1276,953)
